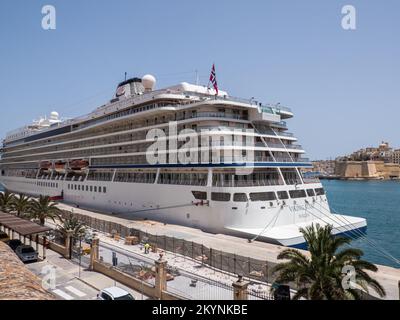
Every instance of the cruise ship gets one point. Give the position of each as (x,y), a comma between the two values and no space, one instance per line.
(140,155)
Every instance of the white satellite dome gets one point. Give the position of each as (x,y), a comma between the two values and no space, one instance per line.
(54,115)
(148,82)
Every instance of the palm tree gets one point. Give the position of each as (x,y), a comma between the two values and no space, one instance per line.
(321,275)
(6,200)
(73,225)
(43,208)
(21,204)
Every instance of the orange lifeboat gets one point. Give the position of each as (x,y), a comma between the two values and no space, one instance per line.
(78,164)
(45,165)
(59,166)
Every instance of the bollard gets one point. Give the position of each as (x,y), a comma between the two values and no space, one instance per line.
(44,245)
(161,276)
(240,289)
(94,252)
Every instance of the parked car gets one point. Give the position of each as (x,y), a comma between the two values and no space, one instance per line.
(26,254)
(4,237)
(14,244)
(114,293)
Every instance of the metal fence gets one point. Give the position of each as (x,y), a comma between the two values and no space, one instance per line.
(228,262)
(195,287)
(55,236)
(135,266)
(78,253)
(179,281)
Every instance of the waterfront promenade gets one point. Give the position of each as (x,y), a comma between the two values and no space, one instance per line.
(387,276)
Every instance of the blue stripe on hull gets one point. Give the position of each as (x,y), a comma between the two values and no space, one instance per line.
(207,165)
(354,233)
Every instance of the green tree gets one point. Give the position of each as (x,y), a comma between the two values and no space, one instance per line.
(21,204)
(320,275)
(6,201)
(73,225)
(43,208)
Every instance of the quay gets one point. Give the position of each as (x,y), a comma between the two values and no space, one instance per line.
(257,253)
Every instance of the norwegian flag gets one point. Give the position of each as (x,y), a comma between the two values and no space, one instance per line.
(213,79)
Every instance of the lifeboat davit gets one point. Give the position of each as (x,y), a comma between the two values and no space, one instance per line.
(78,165)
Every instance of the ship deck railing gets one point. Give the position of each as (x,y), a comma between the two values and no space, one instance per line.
(311,180)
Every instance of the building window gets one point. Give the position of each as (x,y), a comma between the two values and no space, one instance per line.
(104,190)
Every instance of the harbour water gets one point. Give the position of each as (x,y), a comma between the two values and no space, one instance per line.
(379,203)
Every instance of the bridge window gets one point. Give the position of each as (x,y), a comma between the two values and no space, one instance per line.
(310,192)
(283,195)
(297,193)
(319,191)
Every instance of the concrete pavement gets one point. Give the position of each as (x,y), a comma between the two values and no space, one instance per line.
(387,276)
(71,281)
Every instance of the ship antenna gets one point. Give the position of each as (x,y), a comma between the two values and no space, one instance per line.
(197,77)
(125,76)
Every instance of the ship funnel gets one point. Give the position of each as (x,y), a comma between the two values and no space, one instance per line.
(129,87)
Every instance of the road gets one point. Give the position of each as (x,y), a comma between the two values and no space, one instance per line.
(73,282)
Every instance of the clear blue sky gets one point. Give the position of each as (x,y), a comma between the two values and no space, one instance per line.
(342,85)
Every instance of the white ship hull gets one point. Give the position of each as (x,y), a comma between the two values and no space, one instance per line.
(273,221)
(168,155)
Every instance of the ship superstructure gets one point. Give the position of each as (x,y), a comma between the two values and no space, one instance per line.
(101,161)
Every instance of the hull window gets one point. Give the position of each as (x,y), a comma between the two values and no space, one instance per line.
(219,196)
(262,196)
(199,195)
(240,197)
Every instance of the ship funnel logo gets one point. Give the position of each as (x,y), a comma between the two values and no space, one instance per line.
(120,91)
